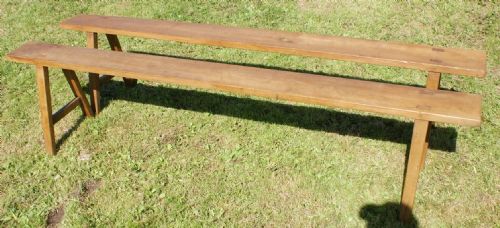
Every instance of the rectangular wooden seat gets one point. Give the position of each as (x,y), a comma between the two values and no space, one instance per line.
(423,57)
(407,101)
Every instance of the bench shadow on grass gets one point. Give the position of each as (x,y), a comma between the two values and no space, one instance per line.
(312,118)
(306,117)
(441,138)
(385,215)
(70,131)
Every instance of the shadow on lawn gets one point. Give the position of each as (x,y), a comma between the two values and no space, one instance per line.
(68,133)
(385,215)
(312,118)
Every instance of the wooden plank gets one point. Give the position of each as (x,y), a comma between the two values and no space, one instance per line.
(423,57)
(114,43)
(42,79)
(95,91)
(406,101)
(417,147)
(70,106)
(75,86)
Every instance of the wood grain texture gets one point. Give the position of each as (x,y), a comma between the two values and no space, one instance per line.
(42,79)
(406,101)
(114,44)
(423,57)
(413,167)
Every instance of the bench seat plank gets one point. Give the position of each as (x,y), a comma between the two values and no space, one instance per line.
(407,101)
(444,60)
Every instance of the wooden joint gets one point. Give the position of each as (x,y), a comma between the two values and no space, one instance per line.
(61,113)
(114,44)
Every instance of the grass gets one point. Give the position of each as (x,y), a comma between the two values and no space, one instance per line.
(163,155)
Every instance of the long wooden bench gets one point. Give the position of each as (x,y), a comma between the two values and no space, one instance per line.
(423,105)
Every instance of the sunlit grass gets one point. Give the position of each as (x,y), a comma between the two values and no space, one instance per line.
(167,155)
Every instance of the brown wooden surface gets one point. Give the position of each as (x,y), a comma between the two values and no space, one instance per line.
(114,44)
(95,91)
(407,101)
(438,59)
(75,86)
(42,79)
(420,129)
(433,81)
(70,106)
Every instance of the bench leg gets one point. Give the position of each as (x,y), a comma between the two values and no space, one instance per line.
(42,79)
(433,81)
(95,92)
(74,83)
(418,149)
(114,43)
(426,146)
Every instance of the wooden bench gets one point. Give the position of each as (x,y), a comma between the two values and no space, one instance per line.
(423,105)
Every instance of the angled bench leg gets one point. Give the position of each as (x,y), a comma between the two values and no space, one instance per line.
(433,81)
(418,152)
(47,118)
(95,92)
(114,43)
(418,149)
(42,79)
(75,86)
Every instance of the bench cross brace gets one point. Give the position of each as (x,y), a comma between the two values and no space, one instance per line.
(48,119)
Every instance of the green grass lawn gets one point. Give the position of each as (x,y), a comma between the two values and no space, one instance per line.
(164,155)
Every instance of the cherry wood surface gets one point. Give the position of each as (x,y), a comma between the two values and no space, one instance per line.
(423,57)
(411,102)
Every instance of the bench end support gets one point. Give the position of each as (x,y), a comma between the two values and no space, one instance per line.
(416,157)
(42,81)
